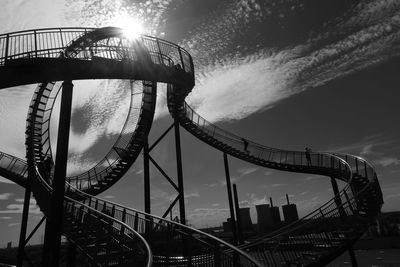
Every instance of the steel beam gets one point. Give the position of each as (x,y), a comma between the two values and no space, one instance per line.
(238,219)
(55,218)
(228,187)
(179,173)
(24,225)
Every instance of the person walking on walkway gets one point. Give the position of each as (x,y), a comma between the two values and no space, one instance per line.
(245,144)
(308,155)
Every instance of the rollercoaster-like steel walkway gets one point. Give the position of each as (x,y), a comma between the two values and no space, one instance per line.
(111,234)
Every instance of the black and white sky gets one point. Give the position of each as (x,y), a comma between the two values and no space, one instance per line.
(283,73)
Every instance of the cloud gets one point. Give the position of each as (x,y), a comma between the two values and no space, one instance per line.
(247,171)
(5,196)
(5,181)
(6,218)
(32,201)
(191,195)
(18,208)
(109,197)
(278,185)
(387,161)
(13,224)
(353,43)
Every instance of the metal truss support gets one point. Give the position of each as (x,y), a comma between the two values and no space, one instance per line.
(338,201)
(342,213)
(22,241)
(147,196)
(71,255)
(353,258)
(54,221)
(24,225)
(232,212)
(238,219)
(177,186)
(179,173)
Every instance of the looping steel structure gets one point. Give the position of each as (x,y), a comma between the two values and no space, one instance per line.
(110,234)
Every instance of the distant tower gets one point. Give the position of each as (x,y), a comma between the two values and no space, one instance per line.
(227,226)
(290,211)
(247,225)
(276,217)
(264,218)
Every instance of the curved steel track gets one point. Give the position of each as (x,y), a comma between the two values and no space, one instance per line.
(70,54)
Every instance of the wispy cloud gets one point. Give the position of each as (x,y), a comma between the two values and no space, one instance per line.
(366,39)
(387,161)
(5,181)
(247,170)
(191,195)
(5,196)
(17,208)
(278,185)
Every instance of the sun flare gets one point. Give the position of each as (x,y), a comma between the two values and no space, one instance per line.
(131,26)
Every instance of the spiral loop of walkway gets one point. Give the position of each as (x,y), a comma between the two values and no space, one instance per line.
(113,230)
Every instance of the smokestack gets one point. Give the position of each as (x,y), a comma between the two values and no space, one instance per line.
(287,199)
(270,201)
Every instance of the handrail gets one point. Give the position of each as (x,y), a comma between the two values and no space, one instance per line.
(101,214)
(147,217)
(164,53)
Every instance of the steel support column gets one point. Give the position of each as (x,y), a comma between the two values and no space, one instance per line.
(71,255)
(338,201)
(238,219)
(55,218)
(146,172)
(353,258)
(342,213)
(228,187)
(179,173)
(24,225)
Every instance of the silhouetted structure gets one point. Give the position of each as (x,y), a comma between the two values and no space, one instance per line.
(276,217)
(264,218)
(290,211)
(227,226)
(246,223)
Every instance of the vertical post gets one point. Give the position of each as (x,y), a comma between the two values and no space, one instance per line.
(353,258)
(179,172)
(338,201)
(238,218)
(71,255)
(53,235)
(146,171)
(24,225)
(228,187)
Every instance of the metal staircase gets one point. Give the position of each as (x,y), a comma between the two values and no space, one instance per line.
(322,235)
(132,235)
(114,234)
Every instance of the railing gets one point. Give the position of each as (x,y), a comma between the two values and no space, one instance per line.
(171,242)
(53,42)
(273,155)
(317,230)
(13,164)
(67,43)
(85,216)
(104,167)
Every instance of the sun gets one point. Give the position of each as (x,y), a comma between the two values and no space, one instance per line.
(132,27)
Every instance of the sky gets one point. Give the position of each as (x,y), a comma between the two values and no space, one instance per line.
(285,74)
